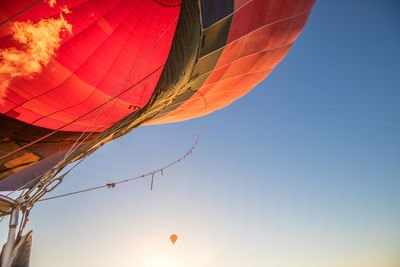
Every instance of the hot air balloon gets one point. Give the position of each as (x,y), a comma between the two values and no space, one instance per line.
(173,238)
(76,74)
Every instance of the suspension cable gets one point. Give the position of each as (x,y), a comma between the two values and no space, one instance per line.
(113,184)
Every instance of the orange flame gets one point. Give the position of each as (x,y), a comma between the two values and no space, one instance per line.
(65,10)
(52,3)
(40,41)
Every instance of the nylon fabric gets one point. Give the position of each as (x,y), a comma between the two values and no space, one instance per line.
(108,39)
(260,36)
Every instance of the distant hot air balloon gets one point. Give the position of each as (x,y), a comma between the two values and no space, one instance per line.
(173,238)
(76,74)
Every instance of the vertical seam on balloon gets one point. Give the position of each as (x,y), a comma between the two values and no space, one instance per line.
(148,25)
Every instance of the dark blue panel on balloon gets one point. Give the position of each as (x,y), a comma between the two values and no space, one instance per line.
(215,10)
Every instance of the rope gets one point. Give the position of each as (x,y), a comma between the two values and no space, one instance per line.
(113,184)
(41,176)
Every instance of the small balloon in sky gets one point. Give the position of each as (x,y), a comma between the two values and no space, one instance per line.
(173,238)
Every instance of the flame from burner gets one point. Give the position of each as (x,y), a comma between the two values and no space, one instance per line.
(40,42)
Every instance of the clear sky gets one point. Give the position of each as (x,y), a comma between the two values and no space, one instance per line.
(302,171)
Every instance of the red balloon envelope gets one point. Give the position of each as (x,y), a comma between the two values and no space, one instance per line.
(105,67)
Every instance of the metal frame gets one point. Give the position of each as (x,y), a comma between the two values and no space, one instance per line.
(9,246)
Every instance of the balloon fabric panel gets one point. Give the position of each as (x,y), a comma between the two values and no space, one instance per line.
(260,35)
(113,46)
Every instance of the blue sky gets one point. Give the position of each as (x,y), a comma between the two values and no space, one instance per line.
(302,171)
